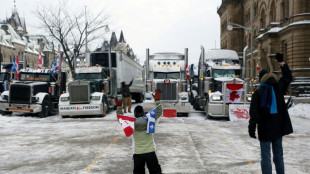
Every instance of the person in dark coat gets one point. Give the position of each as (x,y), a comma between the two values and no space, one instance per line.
(125,91)
(269,113)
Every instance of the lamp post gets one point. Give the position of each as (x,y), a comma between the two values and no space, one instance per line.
(230,27)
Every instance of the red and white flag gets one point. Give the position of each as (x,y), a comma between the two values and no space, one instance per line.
(61,60)
(127,123)
(40,60)
(17,68)
(187,72)
(233,92)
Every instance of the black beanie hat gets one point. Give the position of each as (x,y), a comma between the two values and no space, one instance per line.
(139,111)
(262,73)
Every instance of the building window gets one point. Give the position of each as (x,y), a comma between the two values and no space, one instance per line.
(285,9)
(272,16)
(263,19)
(282,10)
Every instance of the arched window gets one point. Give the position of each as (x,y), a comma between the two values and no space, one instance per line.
(272,14)
(255,9)
(263,19)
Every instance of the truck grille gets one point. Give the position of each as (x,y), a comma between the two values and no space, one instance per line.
(20,94)
(79,92)
(168,91)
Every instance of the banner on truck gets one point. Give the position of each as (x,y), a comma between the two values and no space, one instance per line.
(239,112)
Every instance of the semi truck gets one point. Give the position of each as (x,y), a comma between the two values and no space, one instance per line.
(99,82)
(36,92)
(221,89)
(167,72)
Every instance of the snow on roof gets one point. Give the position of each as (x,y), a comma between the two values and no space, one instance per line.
(221,54)
(278,29)
(3,40)
(13,35)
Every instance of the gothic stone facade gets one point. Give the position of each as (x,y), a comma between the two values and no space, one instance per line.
(278,26)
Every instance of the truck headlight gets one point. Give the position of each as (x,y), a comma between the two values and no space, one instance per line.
(249,98)
(183,96)
(95,97)
(64,98)
(217,98)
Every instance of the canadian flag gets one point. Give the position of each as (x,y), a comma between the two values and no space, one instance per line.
(17,68)
(40,60)
(127,123)
(187,71)
(233,92)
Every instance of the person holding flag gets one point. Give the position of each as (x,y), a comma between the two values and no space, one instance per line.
(141,129)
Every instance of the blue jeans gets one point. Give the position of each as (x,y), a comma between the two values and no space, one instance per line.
(277,156)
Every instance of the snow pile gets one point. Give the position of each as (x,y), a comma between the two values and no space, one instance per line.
(300,110)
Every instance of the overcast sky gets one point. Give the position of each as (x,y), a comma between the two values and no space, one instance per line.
(161,25)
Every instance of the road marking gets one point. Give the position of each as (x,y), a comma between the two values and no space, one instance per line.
(98,157)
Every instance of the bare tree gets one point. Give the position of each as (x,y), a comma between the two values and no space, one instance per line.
(70,27)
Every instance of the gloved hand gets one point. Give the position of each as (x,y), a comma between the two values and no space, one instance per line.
(252,135)
(252,128)
(157,95)
(118,102)
(279,57)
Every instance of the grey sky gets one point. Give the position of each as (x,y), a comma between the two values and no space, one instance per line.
(161,25)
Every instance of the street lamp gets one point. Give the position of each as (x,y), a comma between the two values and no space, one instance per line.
(107,29)
(230,27)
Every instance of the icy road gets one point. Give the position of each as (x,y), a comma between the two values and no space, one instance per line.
(98,145)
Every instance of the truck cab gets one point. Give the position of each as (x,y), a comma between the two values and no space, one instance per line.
(87,94)
(221,89)
(36,92)
(167,73)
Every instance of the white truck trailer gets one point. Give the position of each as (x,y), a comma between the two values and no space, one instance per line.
(98,84)
(166,72)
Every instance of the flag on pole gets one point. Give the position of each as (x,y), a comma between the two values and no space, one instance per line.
(54,67)
(127,123)
(40,60)
(187,71)
(61,59)
(150,117)
(15,66)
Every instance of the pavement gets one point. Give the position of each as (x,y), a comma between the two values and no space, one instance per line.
(185,145)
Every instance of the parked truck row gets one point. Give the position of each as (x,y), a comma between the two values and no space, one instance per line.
(215,86)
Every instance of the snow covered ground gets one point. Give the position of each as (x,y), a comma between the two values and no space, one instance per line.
(190,145)
(300,110)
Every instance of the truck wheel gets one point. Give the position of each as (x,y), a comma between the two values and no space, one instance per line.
(45,109)
(139,98)
(3,113)
(105,108)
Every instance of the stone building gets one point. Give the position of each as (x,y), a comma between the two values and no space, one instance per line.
(15,41)
(277,26)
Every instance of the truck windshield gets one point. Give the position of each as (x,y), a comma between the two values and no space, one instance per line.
(161,75)
(225,73)
(2,76)
(35,77)
(81,76)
